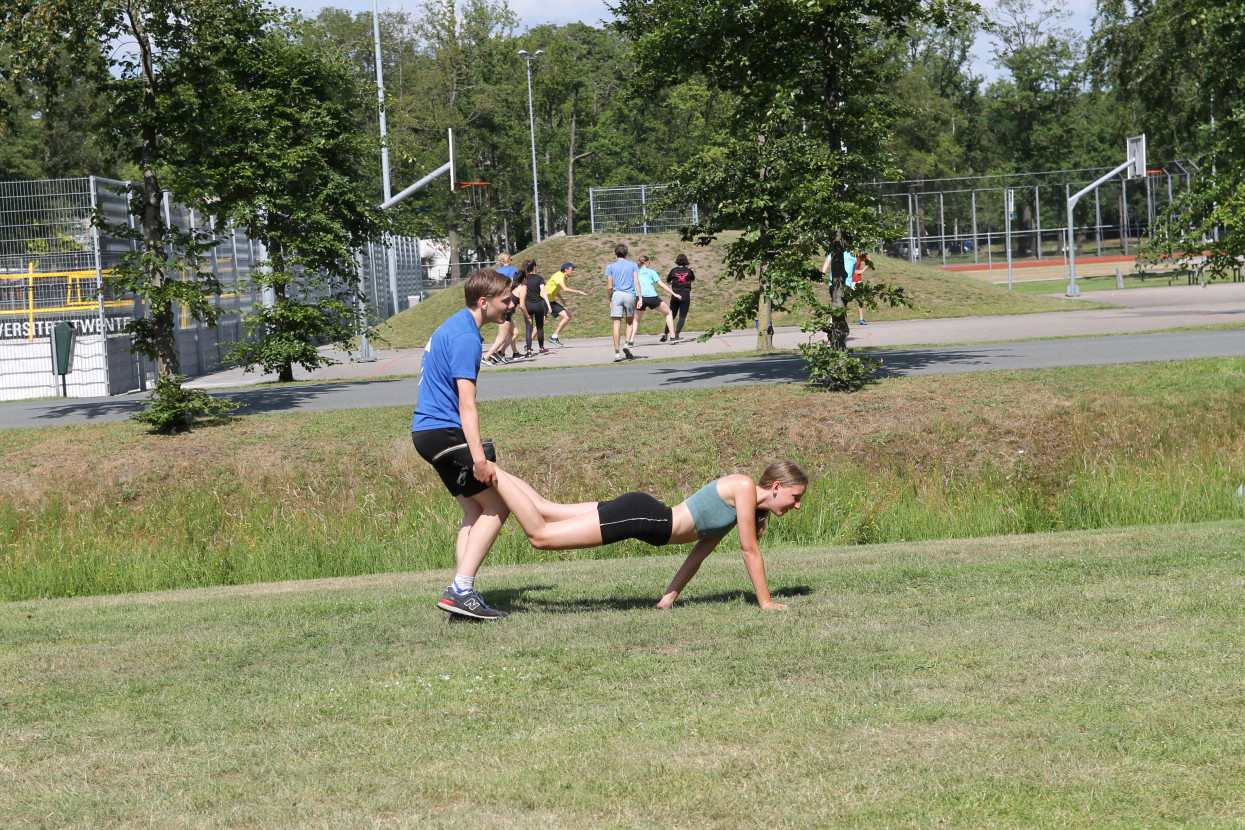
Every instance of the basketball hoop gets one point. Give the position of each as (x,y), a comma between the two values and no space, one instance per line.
(478,193)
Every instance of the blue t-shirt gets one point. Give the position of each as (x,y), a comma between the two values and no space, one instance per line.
(623,272)
(507,270)
(849,265)
(648,282)
(452,352)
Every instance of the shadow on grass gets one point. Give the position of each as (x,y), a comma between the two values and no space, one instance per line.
(516,600)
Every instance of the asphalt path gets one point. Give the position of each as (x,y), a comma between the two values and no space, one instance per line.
(641,374)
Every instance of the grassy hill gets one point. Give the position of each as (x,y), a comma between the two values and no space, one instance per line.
(937,293)
(1075,680)
(106,508)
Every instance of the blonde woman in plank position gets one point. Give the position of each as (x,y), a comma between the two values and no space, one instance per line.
(704,518)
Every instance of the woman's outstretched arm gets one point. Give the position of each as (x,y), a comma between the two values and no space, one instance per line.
(687,570)
(745,493)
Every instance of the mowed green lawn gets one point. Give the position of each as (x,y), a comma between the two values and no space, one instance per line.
(1087,679)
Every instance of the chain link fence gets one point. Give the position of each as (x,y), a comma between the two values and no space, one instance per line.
(55,264)
(961,221)
(632,209)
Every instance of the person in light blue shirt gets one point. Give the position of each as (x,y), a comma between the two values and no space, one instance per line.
(854,266)
(445,430)
(650,281)
(623,288)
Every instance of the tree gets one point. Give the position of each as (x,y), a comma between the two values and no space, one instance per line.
(807,125)
(287,172)
(155,53)
(1179,67)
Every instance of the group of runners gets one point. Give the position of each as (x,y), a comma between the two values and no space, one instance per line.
(446,433)
(632,287)
(536,298)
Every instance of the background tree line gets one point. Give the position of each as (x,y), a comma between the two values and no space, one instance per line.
(1059,100)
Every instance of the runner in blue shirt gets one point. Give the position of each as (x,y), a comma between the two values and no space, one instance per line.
(620,277)
(446,434)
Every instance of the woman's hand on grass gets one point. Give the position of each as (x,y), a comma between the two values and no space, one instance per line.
(773,606)
(668,600)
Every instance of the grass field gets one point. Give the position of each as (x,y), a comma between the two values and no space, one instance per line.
(937,293)
(1081,680)
(108,508)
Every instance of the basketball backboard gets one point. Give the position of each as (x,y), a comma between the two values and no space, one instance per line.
(1137,157)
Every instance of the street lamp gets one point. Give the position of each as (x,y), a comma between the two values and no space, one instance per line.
(531,123)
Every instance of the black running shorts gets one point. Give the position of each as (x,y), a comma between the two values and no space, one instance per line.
(447,451)
(635,516)
(650,302)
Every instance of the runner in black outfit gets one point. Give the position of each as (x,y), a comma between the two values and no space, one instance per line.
(536,303)
(680,279)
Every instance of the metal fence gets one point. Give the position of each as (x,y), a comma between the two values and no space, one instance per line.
(55,264)
(965,220)
(631,209)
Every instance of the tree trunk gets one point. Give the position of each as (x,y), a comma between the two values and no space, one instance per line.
(545,199)
(163,345)
(765,305)
(570,168)
(286,374)
(765,323)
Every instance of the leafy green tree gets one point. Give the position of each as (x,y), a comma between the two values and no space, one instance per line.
(155,53)
(809,121)
(282,141)
(939,131)
(1179,68)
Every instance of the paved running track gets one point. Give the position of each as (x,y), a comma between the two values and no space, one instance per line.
(640,375)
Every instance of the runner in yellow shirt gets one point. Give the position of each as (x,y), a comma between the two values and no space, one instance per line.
(554,286)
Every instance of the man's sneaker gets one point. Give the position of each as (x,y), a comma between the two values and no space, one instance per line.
(664,337)
(863,323)
(468,605)
(618,357)
(627,352)
(555,341)
(631,343)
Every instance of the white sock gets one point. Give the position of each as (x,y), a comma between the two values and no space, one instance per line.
(463,584)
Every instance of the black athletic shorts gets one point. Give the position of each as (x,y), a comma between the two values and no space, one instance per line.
(635,516)
(557,309)
(447,451)
(650,302)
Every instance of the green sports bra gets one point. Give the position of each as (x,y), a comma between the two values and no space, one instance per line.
(712,516)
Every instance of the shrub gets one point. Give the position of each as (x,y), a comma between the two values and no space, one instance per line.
(174,408)
(837,371)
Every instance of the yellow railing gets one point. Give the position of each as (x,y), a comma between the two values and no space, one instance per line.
(55,292)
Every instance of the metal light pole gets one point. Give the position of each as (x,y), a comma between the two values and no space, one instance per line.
(531,123)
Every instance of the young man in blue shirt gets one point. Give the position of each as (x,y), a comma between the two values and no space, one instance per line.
(622,280)
(446,434)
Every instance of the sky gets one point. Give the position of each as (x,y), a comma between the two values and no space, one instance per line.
(535,12)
